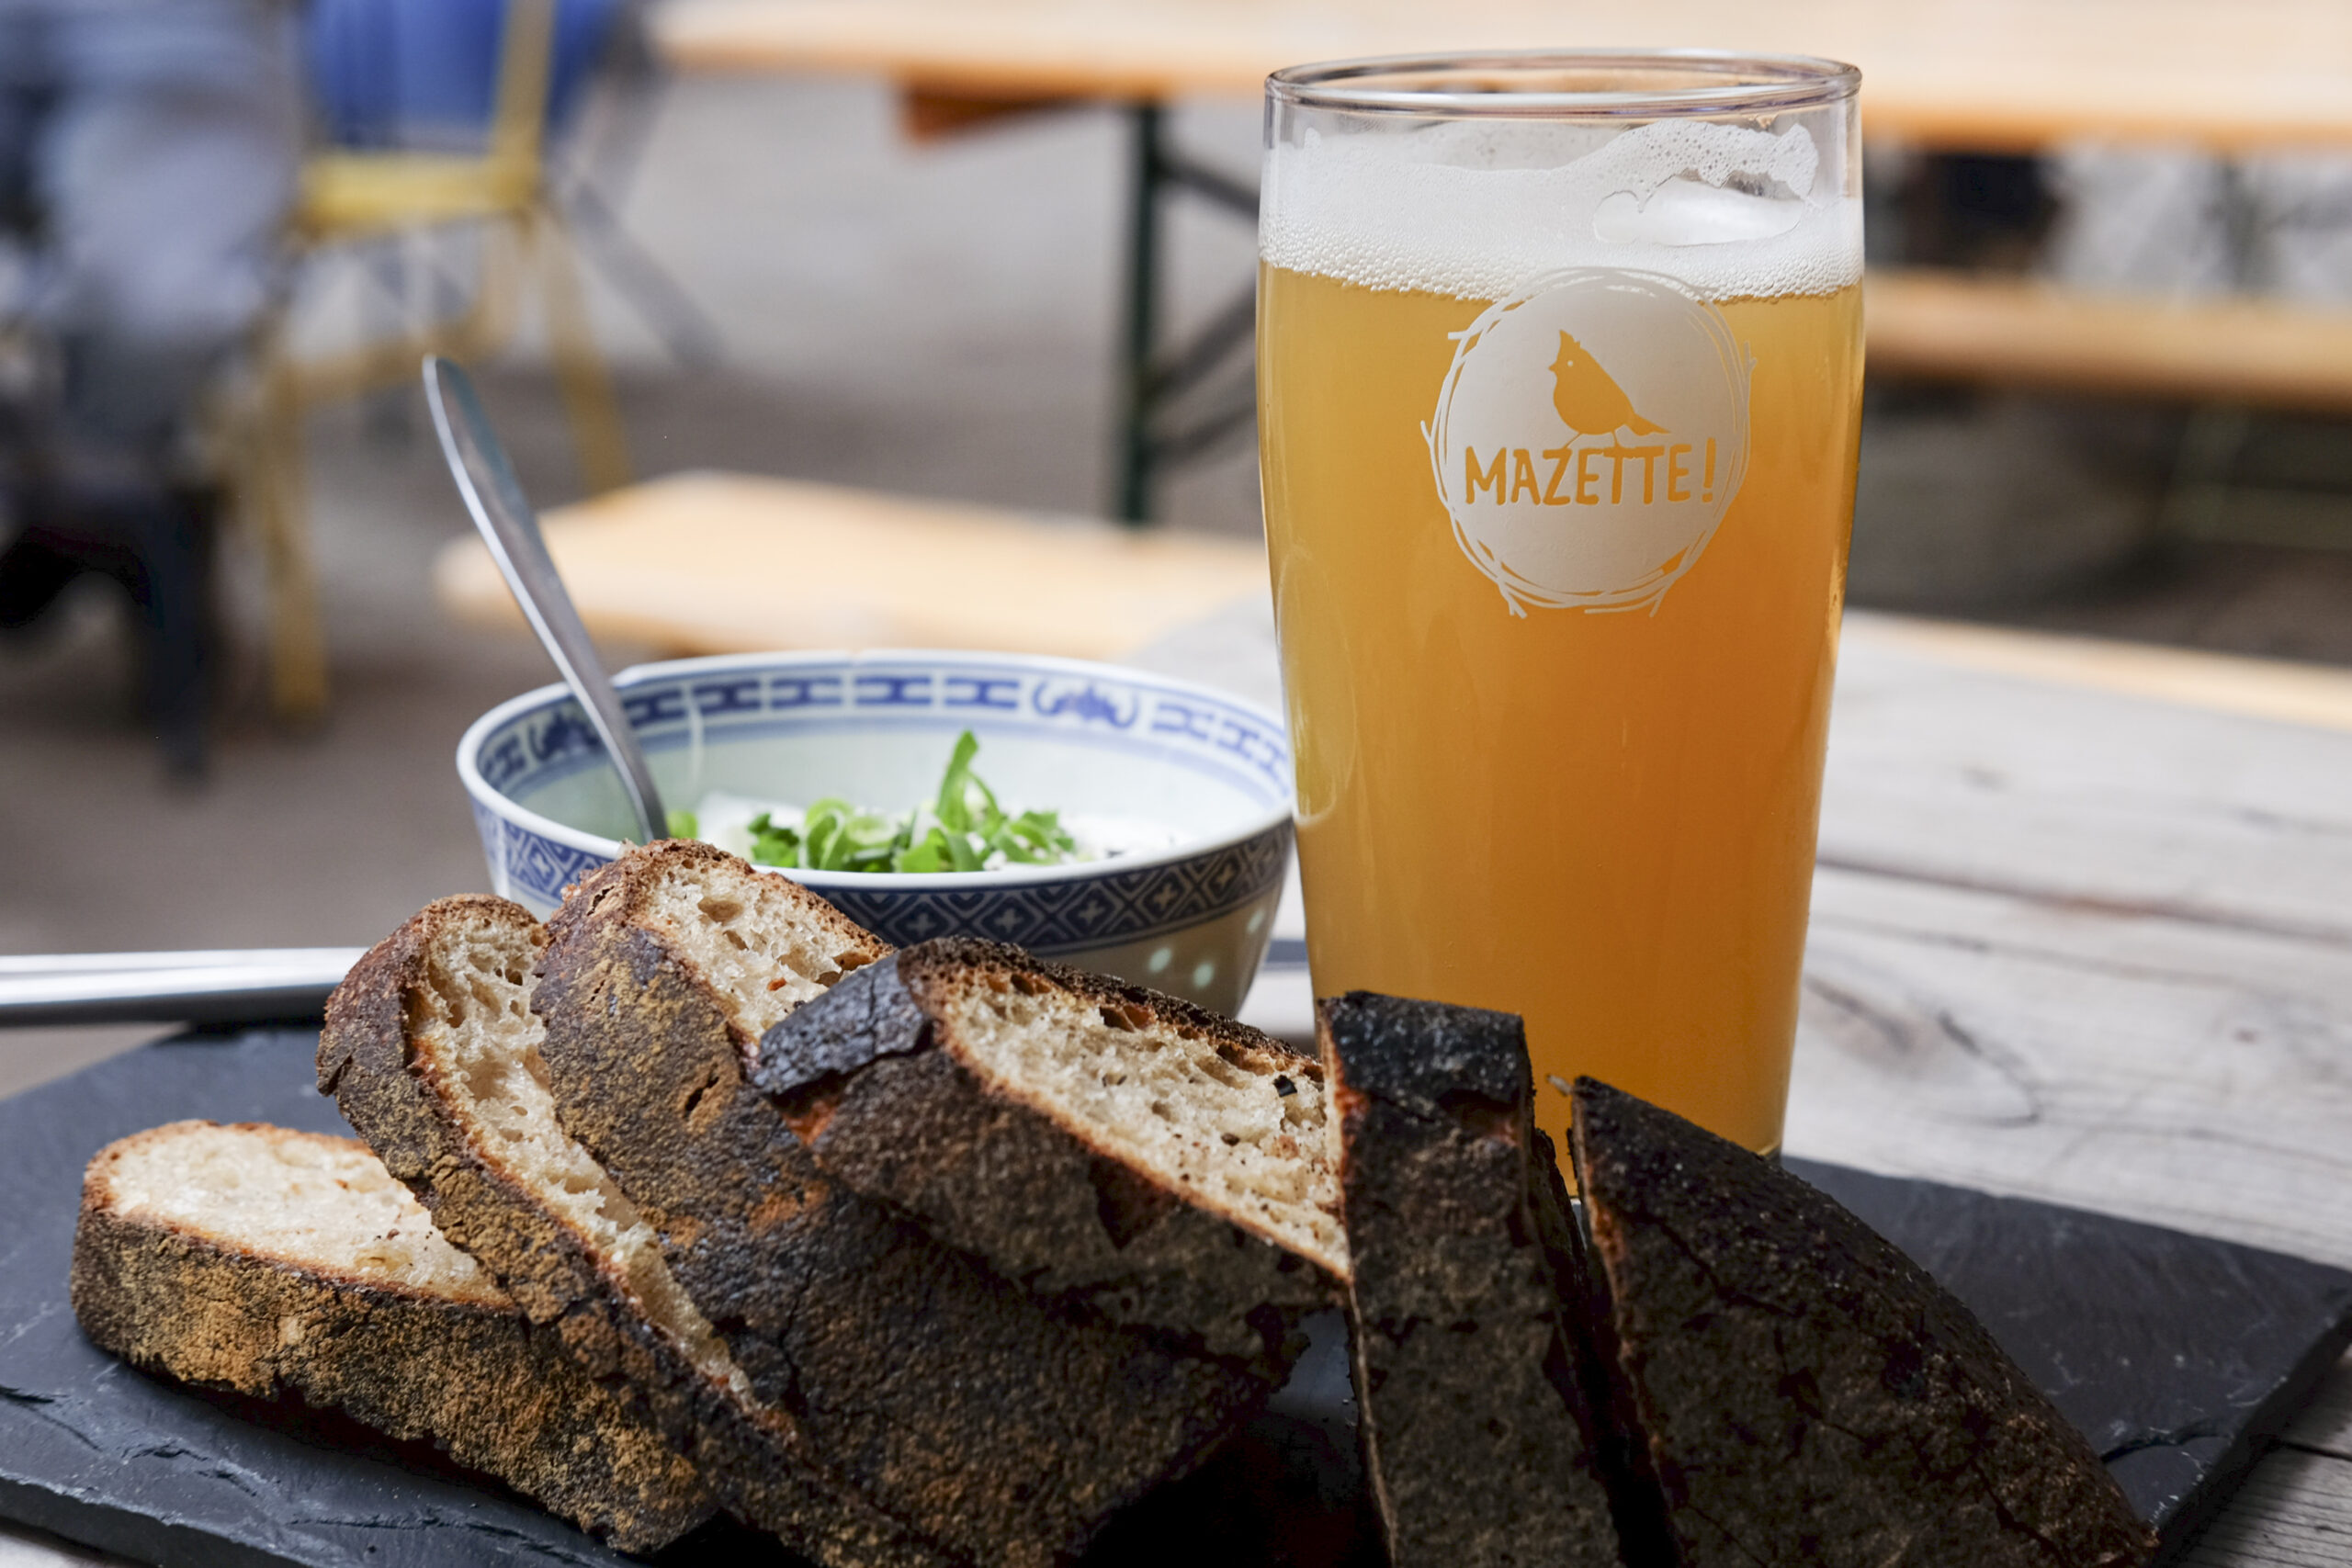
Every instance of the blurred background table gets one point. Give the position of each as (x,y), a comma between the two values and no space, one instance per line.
(1976,75)
(702,563)
(1979,74)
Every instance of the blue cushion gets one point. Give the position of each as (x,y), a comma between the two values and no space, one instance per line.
(424,72)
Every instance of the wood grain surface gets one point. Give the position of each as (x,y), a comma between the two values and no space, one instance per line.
(2093,944)
(2082,932)
(2139,804)
(1978,73)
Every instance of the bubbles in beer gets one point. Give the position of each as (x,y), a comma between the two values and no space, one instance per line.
(1473,207)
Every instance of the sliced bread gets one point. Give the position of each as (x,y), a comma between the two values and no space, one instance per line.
(276,1263)
(1478,1437)
(1121,1153)
(1808,1394)
(965,1408)
(433,1052)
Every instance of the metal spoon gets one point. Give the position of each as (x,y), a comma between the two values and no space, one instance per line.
(492,494)
(170,988)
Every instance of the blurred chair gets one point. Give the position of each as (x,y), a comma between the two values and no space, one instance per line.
(403,86)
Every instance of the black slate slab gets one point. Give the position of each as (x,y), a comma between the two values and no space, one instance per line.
(2175,1354)
(96,1452)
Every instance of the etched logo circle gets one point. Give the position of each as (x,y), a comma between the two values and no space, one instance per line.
(1589,436)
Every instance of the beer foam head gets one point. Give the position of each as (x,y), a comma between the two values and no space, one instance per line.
(1474,207)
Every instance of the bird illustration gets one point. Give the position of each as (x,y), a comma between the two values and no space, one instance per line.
(1591,403)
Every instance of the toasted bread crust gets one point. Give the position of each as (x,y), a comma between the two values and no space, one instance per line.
(1809,1393)
(365,1062)
(997,1430)
(1477,1435)
(892,1103)
(469,1374)
(399,1106)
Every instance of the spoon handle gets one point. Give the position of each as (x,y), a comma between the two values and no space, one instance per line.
(494,497)
(170,988)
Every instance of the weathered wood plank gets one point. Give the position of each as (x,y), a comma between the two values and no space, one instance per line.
(1973,778)
(2324,1426)
(1950,762)
(2186,1075)
(2294,1511)
(2278,689)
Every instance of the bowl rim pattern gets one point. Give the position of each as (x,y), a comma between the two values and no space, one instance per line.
(556,854)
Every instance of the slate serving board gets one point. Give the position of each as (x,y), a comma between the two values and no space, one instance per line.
(2175,1355)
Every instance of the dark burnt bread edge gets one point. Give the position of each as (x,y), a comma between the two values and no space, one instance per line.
(694,1118)
(868,1015)
(948,952)
(631,1515)
(397,1117)
(1975,1342)
(1415,1053)
(363,1064)
(805,1059)
(1419,1058)
(1602,1402)
(809,1066)
(1499,1092)
(754,1453)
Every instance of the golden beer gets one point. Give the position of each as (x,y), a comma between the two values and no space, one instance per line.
(1594,808)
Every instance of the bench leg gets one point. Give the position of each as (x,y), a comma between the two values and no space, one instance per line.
(158,546)
(173,539)
(587,387)
(1139,333)
(277,493)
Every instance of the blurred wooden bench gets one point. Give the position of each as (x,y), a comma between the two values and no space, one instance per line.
(727,563)
(2016,332)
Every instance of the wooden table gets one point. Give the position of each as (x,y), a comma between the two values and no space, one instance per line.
(1998,76)
(2082,932)
(1984,74)
(2097,948)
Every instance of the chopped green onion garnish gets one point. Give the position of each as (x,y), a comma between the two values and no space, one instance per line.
(963,830)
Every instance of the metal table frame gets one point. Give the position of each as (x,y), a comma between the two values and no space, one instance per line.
(1157,427)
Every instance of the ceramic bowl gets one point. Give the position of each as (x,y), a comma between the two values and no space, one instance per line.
(877,728)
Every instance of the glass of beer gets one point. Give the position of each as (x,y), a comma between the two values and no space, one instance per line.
(1560,363)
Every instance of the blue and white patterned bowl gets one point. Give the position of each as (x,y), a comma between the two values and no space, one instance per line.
(877,728)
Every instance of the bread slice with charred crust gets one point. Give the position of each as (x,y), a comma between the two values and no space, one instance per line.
(1809,1394)
(433,1052)
(1121,1153)
(999,1429)
(276,1263)
(1480,1438)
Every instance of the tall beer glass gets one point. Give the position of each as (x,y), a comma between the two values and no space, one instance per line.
(1559,376)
